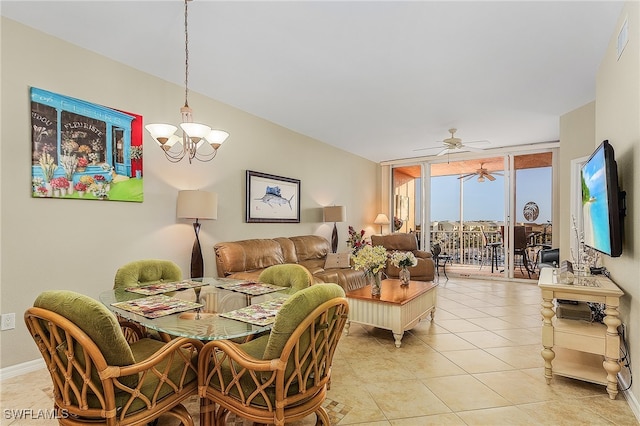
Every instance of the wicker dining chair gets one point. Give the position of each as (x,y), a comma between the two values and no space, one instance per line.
(282,376)
(98,377)
(295,277)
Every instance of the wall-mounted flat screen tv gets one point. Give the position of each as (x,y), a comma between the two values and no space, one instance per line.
(601,210)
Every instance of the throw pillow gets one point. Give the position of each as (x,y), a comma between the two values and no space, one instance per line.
(337,260)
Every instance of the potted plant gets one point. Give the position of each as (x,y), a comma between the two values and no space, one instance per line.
(81,188)
(356,240)
(60,185)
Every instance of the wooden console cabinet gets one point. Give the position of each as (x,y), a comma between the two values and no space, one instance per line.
(579,349)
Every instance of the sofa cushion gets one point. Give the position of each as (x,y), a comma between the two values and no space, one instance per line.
(398,241)
(337,260)
(247,255)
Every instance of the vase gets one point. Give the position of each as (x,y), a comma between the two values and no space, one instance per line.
(49,189)
(70,188)
(80,194)
(405,276)
(80,169)
(376,284)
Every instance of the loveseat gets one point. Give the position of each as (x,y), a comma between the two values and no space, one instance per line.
(246,259)
(423,271)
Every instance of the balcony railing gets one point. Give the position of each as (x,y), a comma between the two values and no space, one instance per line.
(466,247)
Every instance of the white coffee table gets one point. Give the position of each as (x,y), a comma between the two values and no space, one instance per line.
(398,308)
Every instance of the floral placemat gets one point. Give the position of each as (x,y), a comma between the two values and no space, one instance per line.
(261,314)
(252,288)
(152,289)
(157,306)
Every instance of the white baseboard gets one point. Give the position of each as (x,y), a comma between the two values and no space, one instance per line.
(631,399)
(20,369)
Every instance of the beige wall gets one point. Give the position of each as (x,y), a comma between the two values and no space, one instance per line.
(577,136)
(618,120)
(78,245)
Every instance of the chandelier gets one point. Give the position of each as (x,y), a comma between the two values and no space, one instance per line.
(195,141)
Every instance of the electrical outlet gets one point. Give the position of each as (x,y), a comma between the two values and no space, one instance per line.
(8,321)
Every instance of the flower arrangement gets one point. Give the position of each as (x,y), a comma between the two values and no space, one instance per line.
(83,162)
(403,259)
(80,187)
(84,149)
(48,166)
(99,190)
(59,183)
(370,259)
(87,180)
(69,163)
(68,146)
(94,157)
(98,178)
(42,191)
(37,182)
(136,152)
(356,240)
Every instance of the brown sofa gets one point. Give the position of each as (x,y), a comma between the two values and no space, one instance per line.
(245,259)
(423,271)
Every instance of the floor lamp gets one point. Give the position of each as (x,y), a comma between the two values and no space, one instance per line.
(198,205)
(334,214)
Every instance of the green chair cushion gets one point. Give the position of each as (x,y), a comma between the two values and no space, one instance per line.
(94,319)
(294,311)
(147,271)
(291,275)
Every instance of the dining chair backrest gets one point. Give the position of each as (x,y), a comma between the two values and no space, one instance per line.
(146,271)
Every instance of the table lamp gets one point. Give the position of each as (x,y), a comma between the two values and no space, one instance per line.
(198,205)
(334,214)
(381,219)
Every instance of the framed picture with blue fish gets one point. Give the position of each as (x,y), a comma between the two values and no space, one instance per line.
(272,199)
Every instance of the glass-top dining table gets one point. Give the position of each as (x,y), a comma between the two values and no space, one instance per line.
(196,324)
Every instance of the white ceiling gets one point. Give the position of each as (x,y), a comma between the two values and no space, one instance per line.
(379,79)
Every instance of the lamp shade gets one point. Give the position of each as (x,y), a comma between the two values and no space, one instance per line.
(334,214)
(382,219)
(197,205)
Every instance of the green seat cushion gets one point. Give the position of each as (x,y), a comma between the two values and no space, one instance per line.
(147,271)
(296,277)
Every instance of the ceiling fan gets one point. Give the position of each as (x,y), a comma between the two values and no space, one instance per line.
(453,143)
(482,173)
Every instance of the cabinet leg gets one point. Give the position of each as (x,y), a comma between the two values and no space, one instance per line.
(613,368)
(548,355)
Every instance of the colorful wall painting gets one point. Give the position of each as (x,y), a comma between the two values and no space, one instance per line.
(84,151)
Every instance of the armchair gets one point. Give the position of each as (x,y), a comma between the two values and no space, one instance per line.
(423,271)
(282,376)
(97,376)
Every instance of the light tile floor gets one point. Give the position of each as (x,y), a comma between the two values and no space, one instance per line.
(477,363)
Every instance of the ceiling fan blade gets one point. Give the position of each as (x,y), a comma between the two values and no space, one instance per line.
(443,152)
(468,175)
(427,148)
(476,142)
(488,176)
(470,148)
